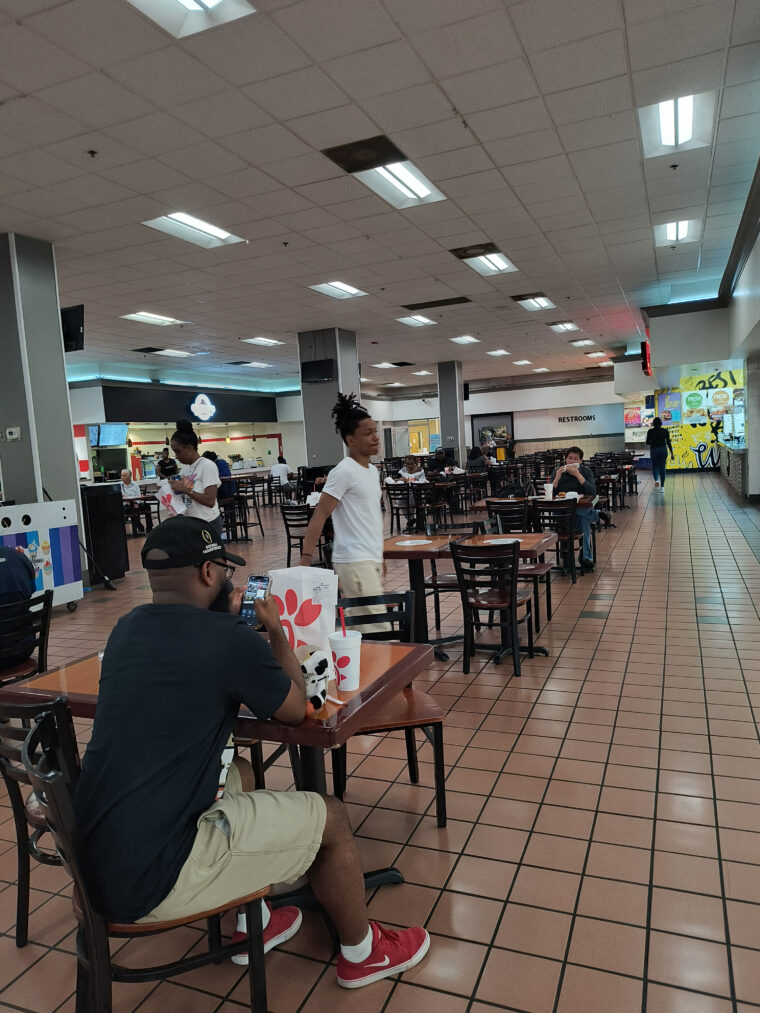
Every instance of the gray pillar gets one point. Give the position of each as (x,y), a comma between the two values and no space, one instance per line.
(34,396)
(323,444)
(451,407)
(752,423)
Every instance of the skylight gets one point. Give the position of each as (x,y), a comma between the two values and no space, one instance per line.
(677,124)
(677,120)
(144,317)
(465,339)
(533,301)
(671,233)
(417,320)
(338,290)
(676,230)
(181,18)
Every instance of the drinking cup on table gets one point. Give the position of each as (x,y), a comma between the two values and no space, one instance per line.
(548,490)
(346,652)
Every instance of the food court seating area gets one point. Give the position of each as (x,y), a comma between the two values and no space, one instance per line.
(600,853)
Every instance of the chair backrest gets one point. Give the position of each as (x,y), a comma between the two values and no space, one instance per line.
(482,568)
(398,495)
(41,755)
(514,516)
(24,626)
(400,613)
(471,528)
(557,515)
(15,721)
(295,515)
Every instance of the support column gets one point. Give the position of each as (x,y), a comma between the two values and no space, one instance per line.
(34,396)
(323,445)
(451,407)
(752,424)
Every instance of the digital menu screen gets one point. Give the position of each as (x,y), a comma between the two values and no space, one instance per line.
(669,407)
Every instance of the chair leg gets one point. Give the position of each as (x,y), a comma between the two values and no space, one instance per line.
(22,894)
(257,763)
(548,597)
(467,646)
(295,766)
(440,774)
(338,760)
(437,609)
(214,928)
(256,967)
(515,645)
(530,629)
(411,756)
(536,606)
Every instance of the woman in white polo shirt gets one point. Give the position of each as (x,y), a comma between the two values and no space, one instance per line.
(351,495)
(198,477)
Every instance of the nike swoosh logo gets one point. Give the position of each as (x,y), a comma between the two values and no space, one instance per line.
(383,963)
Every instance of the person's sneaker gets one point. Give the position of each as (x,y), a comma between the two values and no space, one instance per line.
(284,922)
(392,953)
(657,485)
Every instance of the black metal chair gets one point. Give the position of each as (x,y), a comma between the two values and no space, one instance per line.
(513,516)
(445,583)
(559,516)
(24,628)
(533,570)
(296,517)
(30,825)
(408,710)
(487,576)
(401,503)
(41,755)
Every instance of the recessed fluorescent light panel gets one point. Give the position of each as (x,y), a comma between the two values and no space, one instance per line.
(384,365)
(486,258)
(396,384)
(583,343)
(143,317)
(257,365)
(193,230)
(608,363)
(523,362)
(422,372)
(677,124)
(338,290)
(181,18)
(386,170)
(173,353)
(498,351)
(417,320)
(541,369)
(677,233)
(596,355)
(561,326)
(262,341)
(465,339)
(534,301)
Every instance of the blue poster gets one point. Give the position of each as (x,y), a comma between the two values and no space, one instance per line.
(435,442)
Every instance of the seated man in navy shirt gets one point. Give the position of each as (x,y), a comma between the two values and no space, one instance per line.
(575,476)
(168,826)
(17,583)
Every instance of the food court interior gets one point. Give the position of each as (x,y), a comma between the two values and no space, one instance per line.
(524,225)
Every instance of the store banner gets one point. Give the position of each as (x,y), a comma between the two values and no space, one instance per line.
(707,400)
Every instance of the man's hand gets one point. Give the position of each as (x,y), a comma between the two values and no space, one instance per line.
(236,600)
(305,559)
(268,614)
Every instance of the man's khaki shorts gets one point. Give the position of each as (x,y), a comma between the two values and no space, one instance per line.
(245,842)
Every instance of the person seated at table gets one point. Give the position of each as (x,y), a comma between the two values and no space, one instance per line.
(477,460)
(412,470)
(280,472)
(134,507)
(439,463)
(228,488)
(165,465)
(17,583)
(169,824)
(575,476)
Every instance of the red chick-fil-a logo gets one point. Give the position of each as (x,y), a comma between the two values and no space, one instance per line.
(340,663)
(304,616)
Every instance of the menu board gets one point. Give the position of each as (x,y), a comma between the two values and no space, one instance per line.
(669,407)
(638,413)
(695,407)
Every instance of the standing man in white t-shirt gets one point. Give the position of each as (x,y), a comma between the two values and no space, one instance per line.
(351,495)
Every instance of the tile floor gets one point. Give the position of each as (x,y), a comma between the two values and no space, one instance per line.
(602,853)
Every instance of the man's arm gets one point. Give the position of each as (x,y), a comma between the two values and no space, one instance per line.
(293,708)
(325,507)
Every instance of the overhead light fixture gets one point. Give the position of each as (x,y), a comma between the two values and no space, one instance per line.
(252,365)
(608,363)
(181,18)
(385,169)
(541,369)
(396,384)
(523,362)
(582,342)
(533,301)
(193,230)
(498,351)
(683,231)
(465,339)
(174,353)
(560,326)
(596,355)
(676,230)
(677,124)
(262,341)
(422,372)
(417,320)
(485,258)
(143,317)
(384,365)
(338,290)
(364,379)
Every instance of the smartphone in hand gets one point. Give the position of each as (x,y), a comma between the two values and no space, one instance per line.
(257,587)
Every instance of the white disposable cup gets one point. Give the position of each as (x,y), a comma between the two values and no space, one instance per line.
(549,490)
(347,650)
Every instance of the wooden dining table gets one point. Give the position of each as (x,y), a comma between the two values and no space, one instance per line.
(416,549)
(481,505)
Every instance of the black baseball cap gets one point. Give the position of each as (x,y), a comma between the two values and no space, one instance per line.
(187,541)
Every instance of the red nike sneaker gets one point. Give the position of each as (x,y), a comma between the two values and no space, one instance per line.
(392,953)
(284,922)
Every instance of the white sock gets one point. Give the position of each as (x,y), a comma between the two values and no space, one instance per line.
(242,921)
(360,952)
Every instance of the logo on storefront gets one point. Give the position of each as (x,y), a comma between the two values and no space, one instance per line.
(203,408)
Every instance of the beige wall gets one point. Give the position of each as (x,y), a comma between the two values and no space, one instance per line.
(213,439)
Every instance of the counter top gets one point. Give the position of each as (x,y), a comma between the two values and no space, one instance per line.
(732,447)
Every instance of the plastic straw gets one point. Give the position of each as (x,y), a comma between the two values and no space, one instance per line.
(342,621)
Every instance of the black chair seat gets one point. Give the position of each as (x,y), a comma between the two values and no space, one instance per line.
(498,599)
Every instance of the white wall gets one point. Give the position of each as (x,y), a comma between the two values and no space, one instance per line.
(86,405)
(689,337)
(744,310)
(290,409)
(563,424)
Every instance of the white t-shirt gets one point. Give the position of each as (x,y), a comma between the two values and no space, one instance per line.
(131,491)
(281,472)
(357,519)
(203,473)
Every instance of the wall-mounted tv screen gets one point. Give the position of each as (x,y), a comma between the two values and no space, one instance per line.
(113,434)
(72,326)
(319,371)
(94,434)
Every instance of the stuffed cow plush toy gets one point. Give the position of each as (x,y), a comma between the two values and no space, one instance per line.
(315,665)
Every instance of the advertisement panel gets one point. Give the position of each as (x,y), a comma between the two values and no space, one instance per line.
(706,399)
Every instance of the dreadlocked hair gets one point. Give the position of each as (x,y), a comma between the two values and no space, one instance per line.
(347,414)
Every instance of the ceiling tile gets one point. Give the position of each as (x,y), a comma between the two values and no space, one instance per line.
(104,30)
(681,36)
(572,105)
(320,27)
(746,23)
(525,147)
(96,100)
(155,134)
(597,132)
(333,126)
(543,24)
(510,120)
(412,107)
(36,168)
(29,63)
(269,143)
(303,91)
(578,63)
(423,15)
(145,176)
(33,122)
(743,64)
(226,112)
(247,50)
(468,45)
(379,70)
(203,161)
(170,73)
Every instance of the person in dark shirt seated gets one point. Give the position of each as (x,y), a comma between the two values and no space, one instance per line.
(228,487)
(169,824)
(575,476)
(17,583)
